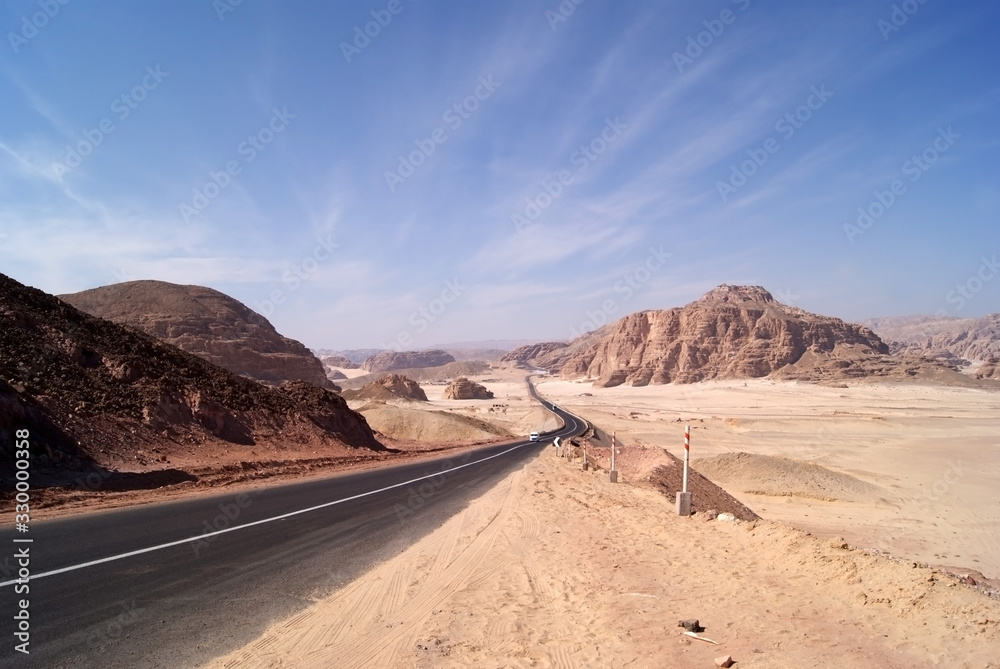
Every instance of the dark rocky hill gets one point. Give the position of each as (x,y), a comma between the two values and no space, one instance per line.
(209,324)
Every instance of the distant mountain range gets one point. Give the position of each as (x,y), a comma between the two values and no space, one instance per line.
(970,342)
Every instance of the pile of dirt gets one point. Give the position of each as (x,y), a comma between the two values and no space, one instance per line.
(785,477)
(207,323)
(97,395)
(659,467)
(389,387)
(412,424)
(464,389)
(705,495)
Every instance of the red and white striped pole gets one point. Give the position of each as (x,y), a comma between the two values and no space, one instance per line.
(683,498)
(687,453)
(613,474)
(612,451)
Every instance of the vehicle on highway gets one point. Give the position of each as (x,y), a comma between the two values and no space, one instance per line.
(533,436)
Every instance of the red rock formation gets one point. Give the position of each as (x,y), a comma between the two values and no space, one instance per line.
(731,332)
(464,389)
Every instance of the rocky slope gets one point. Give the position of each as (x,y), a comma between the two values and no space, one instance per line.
(96,395)
(390,386)
(355,355)
(967,338)
(441,374)
(339,361)
(207,323)
(528,354)
(731,332)
(389,361)
(464,389)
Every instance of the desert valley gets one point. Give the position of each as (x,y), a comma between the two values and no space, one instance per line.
(844,475)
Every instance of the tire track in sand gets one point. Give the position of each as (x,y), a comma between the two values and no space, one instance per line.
(380,648)
(374,622)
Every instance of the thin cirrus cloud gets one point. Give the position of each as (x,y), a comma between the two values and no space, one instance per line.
(118,215)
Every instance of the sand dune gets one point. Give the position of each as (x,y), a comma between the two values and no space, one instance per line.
(769,475)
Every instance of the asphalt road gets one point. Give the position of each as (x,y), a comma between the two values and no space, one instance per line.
(239,561)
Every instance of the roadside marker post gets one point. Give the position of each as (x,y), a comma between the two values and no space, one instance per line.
(683,498)
(613,474)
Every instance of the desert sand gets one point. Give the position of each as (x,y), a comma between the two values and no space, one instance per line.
(556,567)
(913,470)
(510,413)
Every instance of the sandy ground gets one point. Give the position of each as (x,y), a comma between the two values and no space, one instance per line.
(511,413)
(352,373)
(555,567)
(909,469)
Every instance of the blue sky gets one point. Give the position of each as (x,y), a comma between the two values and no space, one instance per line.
(476,170)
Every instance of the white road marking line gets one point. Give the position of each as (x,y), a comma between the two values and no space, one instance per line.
(256,522)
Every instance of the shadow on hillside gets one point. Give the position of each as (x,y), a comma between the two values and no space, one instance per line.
(125,481)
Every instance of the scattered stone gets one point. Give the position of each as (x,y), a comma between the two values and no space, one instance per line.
(724,661)
(725,517)
(711,514)
(691,625)
(840,543)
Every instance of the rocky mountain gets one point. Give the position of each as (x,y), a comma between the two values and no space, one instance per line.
(389,361)
(97,395)
(730,332)
(528,354)
(989,370)
(464,389)
(390,386)
(967,338)
(911,329)
(355,355)
(207,323)
(339,361)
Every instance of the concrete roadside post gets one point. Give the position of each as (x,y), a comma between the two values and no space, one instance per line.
(613,474)
(683,499)
(584,466)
